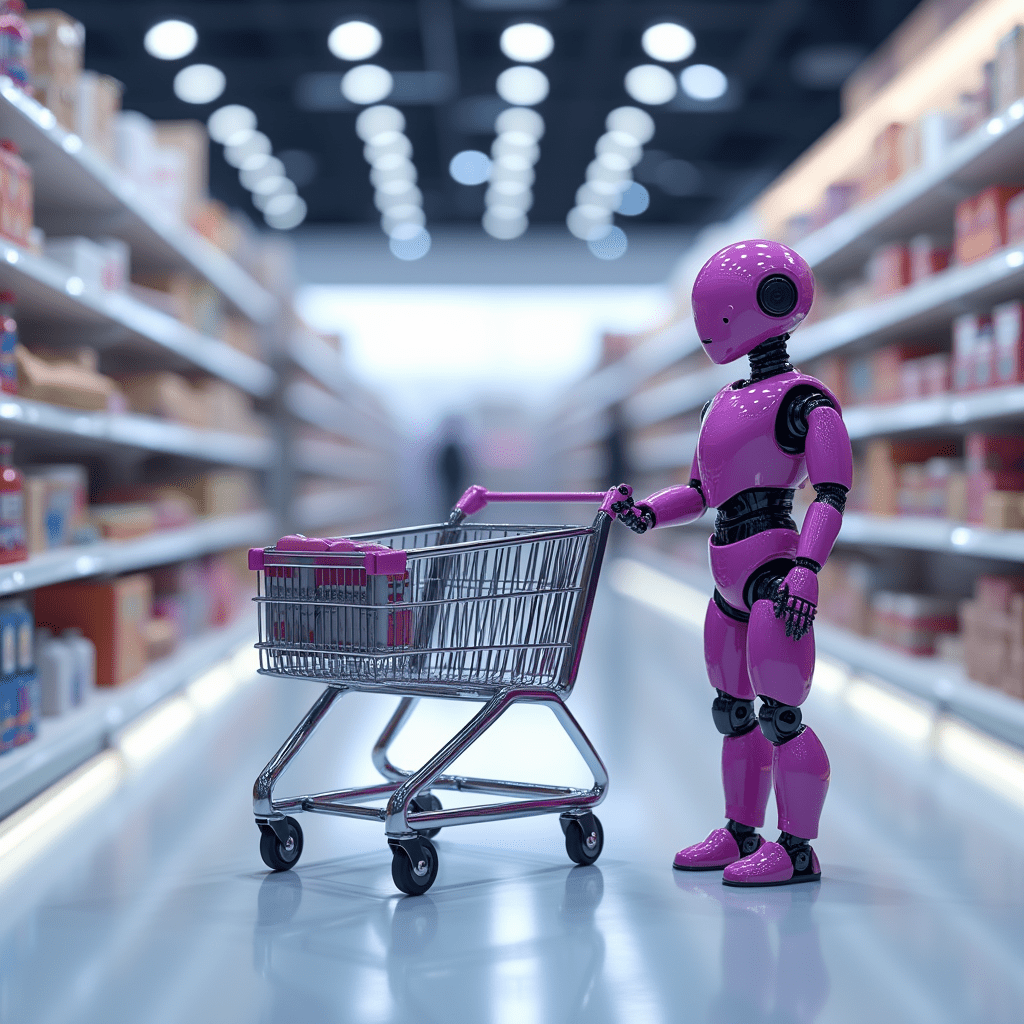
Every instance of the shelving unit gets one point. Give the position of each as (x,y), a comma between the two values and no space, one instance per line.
(66,742)
(78,191)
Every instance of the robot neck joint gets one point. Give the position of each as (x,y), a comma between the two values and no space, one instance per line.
(769,359)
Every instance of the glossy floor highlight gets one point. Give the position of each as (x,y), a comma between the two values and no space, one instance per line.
(157,907)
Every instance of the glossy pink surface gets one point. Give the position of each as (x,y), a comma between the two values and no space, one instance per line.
(828,453)
(747,777)
(725,653)
(819,531)
(675,506)
(736,448)
(725,309)
(779,666)
(732,564)
(770,864)
(802,773)
(718,850)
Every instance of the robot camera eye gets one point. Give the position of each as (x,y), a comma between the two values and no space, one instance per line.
(777,295)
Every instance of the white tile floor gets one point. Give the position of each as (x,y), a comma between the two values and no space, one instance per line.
(158,909)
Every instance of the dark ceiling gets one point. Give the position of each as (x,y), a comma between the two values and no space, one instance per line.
(274,54)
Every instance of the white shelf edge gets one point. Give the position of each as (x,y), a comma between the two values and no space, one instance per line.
(922,533)
(26,417)
(109,556)
(64,743)
(834,241)
(337,461)
(190,249)
(319,408)
(330,508)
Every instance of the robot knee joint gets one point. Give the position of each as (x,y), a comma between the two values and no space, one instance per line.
(733,717)
(779,722)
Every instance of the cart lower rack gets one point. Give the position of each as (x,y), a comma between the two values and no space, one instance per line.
(479,612)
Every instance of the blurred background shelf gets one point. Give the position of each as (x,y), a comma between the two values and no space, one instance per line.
(66,742)
(164,546)
(77,189)
(922,533)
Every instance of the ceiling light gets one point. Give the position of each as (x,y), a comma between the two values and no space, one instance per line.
(284,215)
(504,187)
(621,143)
(409,242)
(505,223)
(524,86)
(367,83)
(226,121)
(514,161)
(397,187)
(527,43)
(521,146)
(597,171)
(397,215)
(520,119)
(354,40)
(386,200)
(270,167)
(470,167)
(256,162)
(632,121)
(703,82)
(243,145)
(284,188)
(404,171)
(634,201)
(595,193)
(616,163)
(610,246)
(387,144)
(394,162)
(668,42)
(376,121)
(199,83)
(526,175)
(650,84)
(171,40)
(273,185)
(588,222)
(496,198)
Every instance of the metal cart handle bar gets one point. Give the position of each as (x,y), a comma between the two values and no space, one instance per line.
(476,497)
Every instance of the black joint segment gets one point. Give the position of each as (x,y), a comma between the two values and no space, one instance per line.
(791,423)
(764,582)
(808,563)
(746,837)
(832,494)
(799,851)
(732,716)
(695,484)
(727,609)
(779,722)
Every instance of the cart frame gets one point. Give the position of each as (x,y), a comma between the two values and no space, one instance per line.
(410,810)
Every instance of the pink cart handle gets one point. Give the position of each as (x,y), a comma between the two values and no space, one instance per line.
(477,497)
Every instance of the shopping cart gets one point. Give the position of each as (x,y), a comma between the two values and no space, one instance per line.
(483,612)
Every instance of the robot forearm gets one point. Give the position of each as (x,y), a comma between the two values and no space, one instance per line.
(820,529)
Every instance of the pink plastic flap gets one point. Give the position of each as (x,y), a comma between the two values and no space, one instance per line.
(255,559)
(296,542)
(385,562)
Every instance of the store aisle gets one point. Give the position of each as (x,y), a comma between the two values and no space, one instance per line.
(159,909)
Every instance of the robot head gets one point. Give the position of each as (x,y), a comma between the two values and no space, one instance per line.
(747,293)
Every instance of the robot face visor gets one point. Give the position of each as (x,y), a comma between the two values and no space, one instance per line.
(733,316)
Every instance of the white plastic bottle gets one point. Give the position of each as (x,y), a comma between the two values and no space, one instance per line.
(55,664)
(84,653)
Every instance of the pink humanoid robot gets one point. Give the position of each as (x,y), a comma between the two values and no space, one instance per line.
(759,439)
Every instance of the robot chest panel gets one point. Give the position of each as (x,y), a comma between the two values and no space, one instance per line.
(736,448)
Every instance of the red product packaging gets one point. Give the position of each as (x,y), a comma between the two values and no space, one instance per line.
(889,269)
(1000,453)
(935,374)
(927,257)
(1015,220)
(984,482)
(1008,342)
(967,331)
(981,223)
(15,194)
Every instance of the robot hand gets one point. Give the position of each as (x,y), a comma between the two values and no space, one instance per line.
(639,518)
(797,601)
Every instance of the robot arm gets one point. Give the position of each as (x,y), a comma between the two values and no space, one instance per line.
(830,470)
(670,506)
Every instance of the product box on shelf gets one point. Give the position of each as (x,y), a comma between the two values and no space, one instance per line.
(889,269)
(188,139)
(61,380)
(15,44)
(97,104)
(101,264)
(980,224)
(166,394)
(927,257)
(970,352)
(1009,69)
(193,301)
(877,484)
(993,631)
(925,376)
(55,501)
(66,668)
(224,492)
(1008,342)
(16,195)
(58,46)
(911,622)
(113,615)
(8,345)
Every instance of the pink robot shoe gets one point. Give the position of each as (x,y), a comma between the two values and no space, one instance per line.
(774,864)
(719,850)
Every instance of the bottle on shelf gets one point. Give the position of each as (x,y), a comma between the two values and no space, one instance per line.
(12,507)
(8,343)
(57,676)
(15,44)
(83,652)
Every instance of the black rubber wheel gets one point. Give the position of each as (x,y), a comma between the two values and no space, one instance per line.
(280,856)
(408,880)
(584,849)
(426,802)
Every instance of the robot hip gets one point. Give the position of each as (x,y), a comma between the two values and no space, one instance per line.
(733,565)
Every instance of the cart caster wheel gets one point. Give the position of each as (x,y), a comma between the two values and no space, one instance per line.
(426,802)
(414,881)
(280,856)
(584,849)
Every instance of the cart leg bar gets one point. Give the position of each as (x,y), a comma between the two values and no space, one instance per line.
(263,788)
(400,821)
(405,708)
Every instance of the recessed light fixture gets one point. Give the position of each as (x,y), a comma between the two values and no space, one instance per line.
(171,40)
(527,43)
(668,42)
(354,40)
(524,86)
(650,84)
(367,83)
(470,167)
(226,121)
(199,83)
(703,82)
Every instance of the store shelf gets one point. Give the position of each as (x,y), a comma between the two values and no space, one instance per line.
(921,533)
(77,192)
(928,305)
(311,512)
(49,295)
(314,406)
(681,395)
(936,415)
(66,742)
(672,451)
(107,557)
(76,430)
(923,200)
(942,683)
(338,461)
